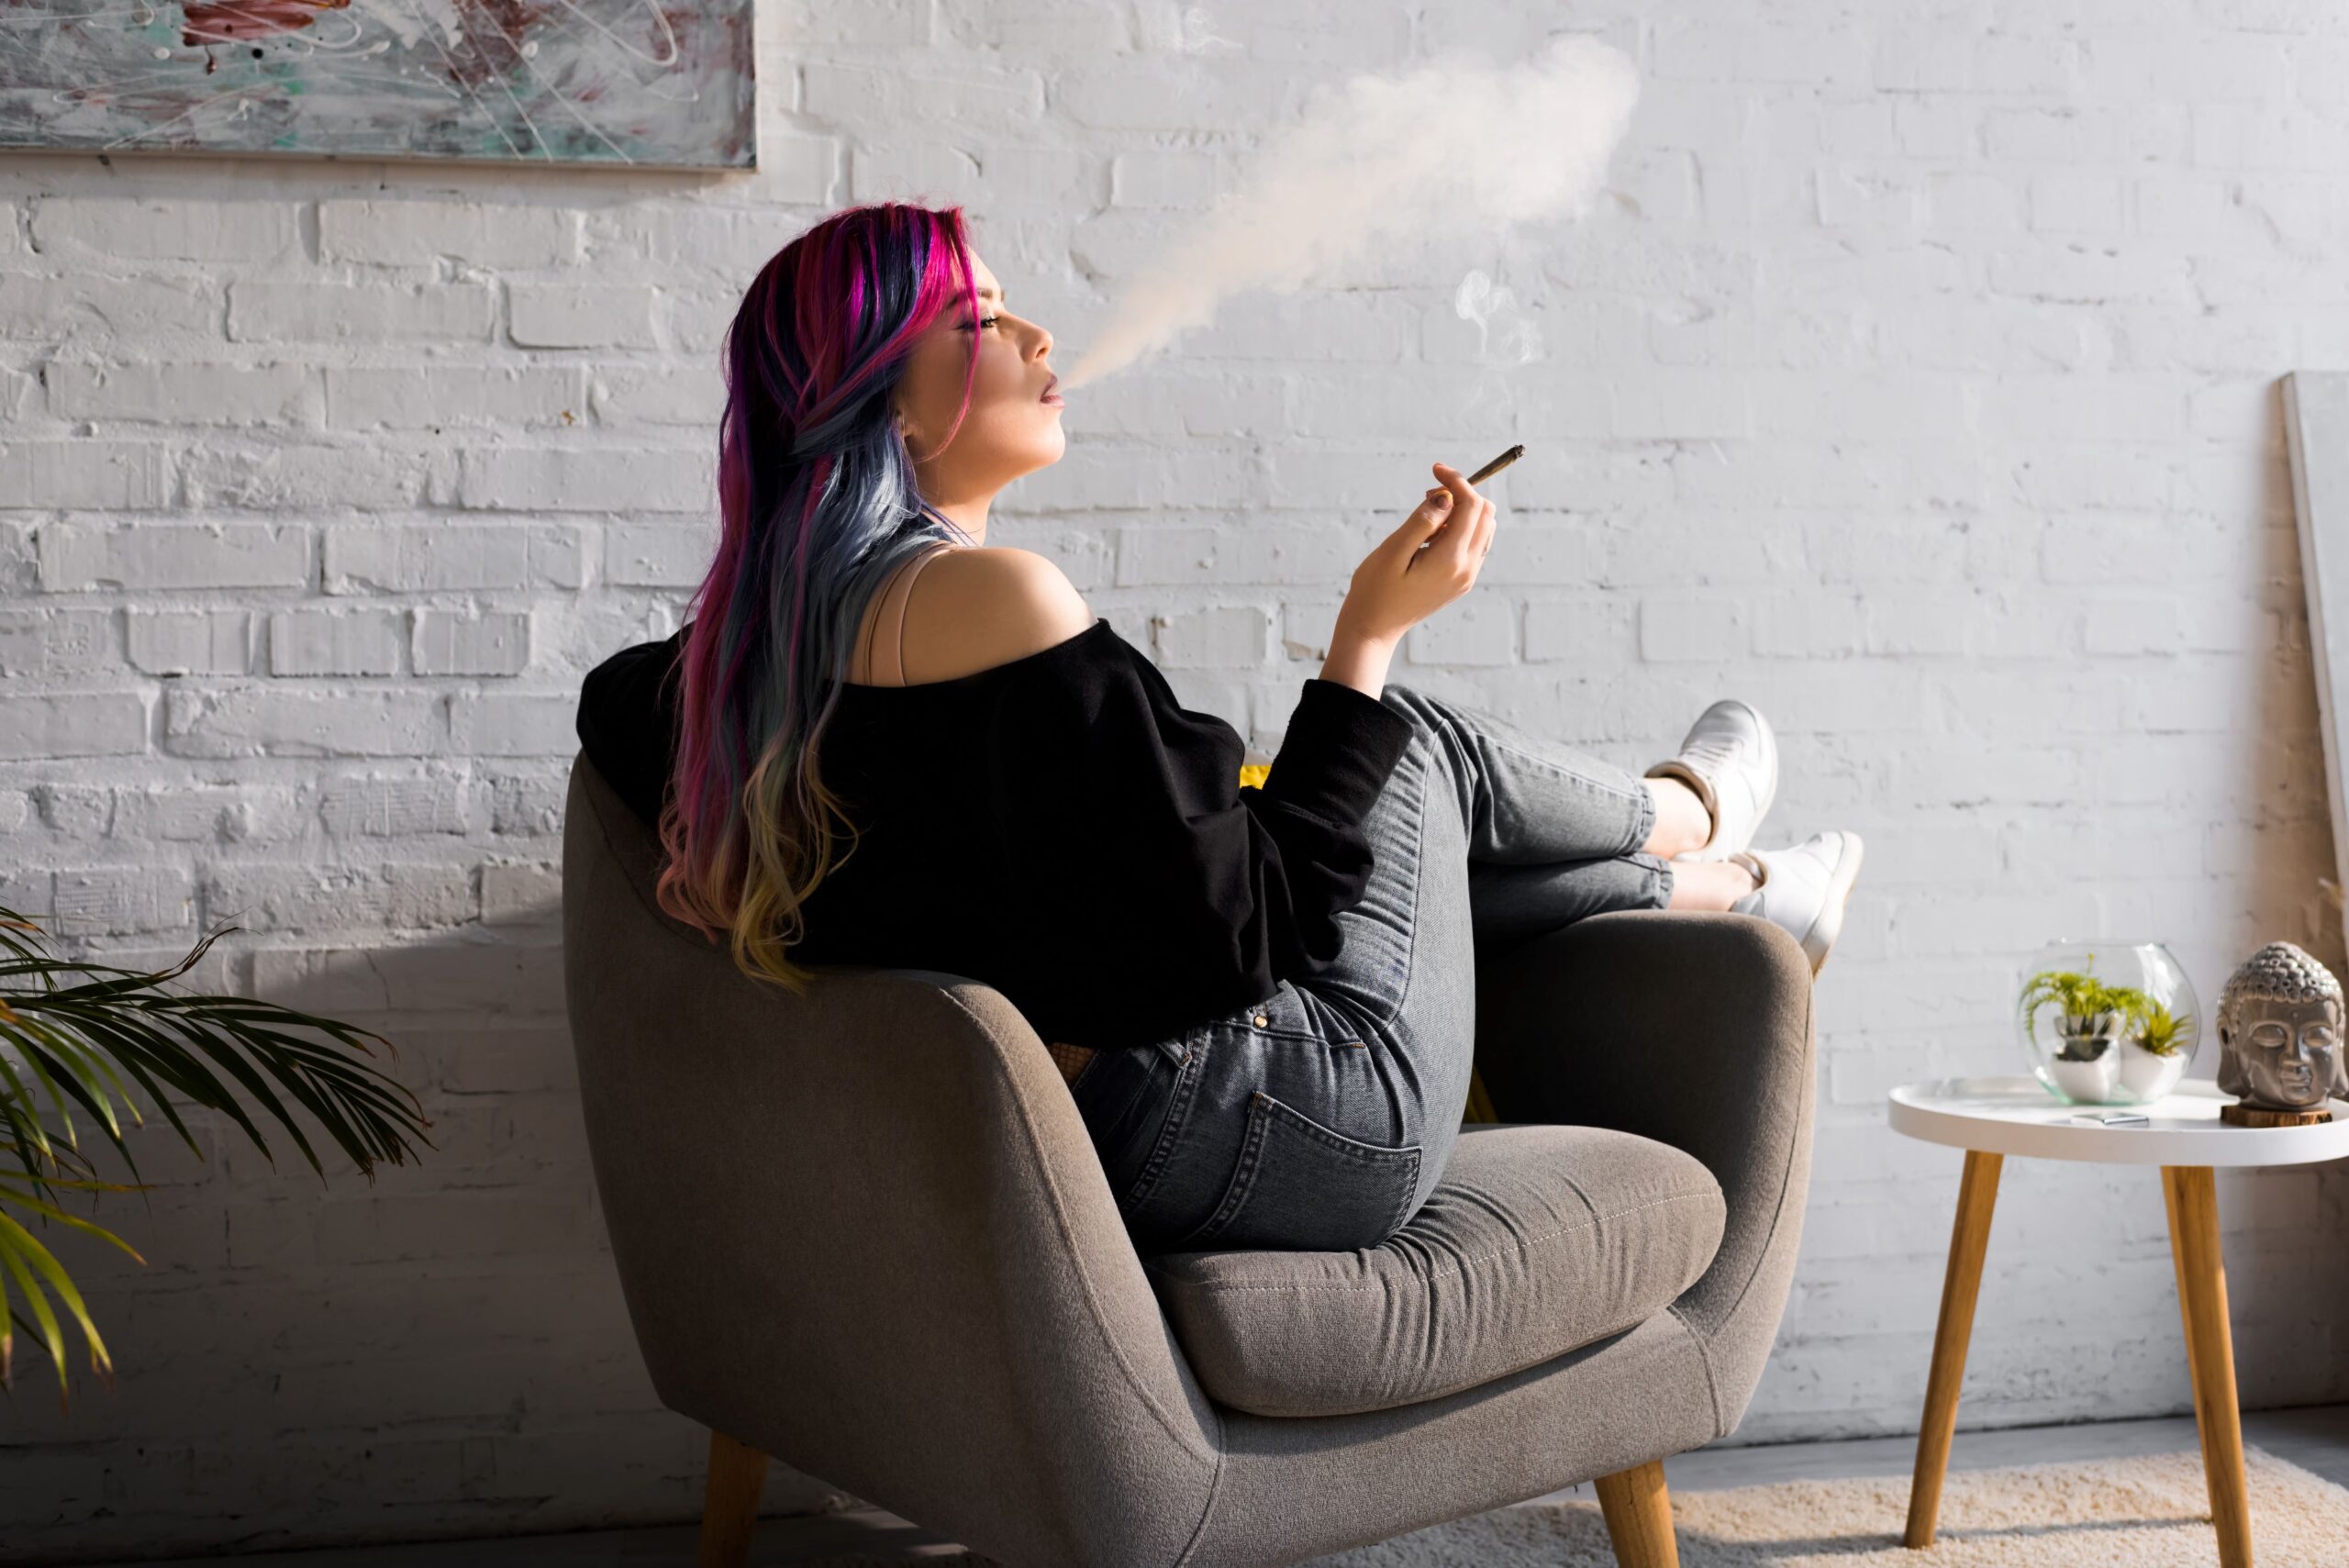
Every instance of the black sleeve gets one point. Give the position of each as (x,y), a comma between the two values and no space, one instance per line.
(628,721)
(1190,895)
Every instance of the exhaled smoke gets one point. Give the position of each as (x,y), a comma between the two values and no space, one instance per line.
(1494,306)
(1182,29)
(1506,338)
(1452,148)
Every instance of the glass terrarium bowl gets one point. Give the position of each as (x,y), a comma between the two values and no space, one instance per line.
(2110,1022)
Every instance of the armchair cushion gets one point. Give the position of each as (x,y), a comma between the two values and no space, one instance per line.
(1539,1238)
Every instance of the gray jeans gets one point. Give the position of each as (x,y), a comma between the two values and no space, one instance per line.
(1321,1118)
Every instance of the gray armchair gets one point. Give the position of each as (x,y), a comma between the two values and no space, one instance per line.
(865,1231)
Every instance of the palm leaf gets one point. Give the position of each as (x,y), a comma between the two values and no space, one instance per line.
(21,1251)
(74,1046)
(73,1300)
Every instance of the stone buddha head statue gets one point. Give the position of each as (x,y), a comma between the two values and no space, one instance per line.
(2280,1021)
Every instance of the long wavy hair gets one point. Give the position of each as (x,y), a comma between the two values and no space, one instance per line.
(817,503)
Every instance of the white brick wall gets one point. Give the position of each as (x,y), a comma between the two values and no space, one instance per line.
(1916,382)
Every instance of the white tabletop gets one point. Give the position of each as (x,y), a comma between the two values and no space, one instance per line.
(2019,1116)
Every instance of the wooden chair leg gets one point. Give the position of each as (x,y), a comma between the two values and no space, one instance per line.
(738,1472)
(1638,1517)
(1969,1237)
(2211,1355)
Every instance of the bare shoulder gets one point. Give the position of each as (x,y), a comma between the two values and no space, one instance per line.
(974,608)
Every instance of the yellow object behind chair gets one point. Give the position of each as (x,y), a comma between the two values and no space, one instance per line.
(1480,1104)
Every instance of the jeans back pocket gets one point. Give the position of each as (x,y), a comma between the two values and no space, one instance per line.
(1301,1186)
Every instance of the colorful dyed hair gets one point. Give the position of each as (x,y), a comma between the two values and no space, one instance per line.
(817,504)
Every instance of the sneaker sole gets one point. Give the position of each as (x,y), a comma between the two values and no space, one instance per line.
(1821,936)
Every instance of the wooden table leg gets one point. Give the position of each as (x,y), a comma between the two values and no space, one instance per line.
(2178,1262)
(2210,1353)
(1977,1191)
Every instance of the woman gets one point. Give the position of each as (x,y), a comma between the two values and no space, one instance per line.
(1262,996)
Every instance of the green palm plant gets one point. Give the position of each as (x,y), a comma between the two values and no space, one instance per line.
(74,1042)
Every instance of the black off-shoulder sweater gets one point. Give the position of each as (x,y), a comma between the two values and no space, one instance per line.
(1062,828)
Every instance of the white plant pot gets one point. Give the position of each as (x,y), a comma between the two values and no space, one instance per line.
(2149,1075)
(2087,1082)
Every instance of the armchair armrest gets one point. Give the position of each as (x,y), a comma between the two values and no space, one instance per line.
(1694,1028)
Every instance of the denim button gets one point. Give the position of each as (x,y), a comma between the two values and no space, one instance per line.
(1261,1020)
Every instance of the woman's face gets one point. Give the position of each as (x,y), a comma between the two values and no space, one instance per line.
(1008,430)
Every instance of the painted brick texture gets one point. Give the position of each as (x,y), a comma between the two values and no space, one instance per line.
(1916,379)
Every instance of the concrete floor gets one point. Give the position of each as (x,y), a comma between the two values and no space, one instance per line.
(2315,1438)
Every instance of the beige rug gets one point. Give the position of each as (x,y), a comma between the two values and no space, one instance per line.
(2145,1512)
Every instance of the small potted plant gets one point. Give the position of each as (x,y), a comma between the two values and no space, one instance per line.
(2098,1040)
(2154,1052)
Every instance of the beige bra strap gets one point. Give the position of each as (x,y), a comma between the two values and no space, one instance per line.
(920,561)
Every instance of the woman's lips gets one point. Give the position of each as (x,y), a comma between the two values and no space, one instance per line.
(1050,396)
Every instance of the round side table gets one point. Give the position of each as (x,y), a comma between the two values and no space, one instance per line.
(1993,1117)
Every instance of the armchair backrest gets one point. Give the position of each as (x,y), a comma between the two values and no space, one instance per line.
(864,1229)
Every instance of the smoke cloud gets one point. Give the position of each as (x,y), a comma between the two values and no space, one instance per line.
(1451,147)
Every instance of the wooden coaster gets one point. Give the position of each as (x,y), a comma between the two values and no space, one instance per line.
(2237,1114)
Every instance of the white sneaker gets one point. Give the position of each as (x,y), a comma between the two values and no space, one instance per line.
(1731,759)
(1803,888)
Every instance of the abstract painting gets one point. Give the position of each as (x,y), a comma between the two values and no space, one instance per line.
(654,83)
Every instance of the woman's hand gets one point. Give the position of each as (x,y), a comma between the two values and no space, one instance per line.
(1423,566)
